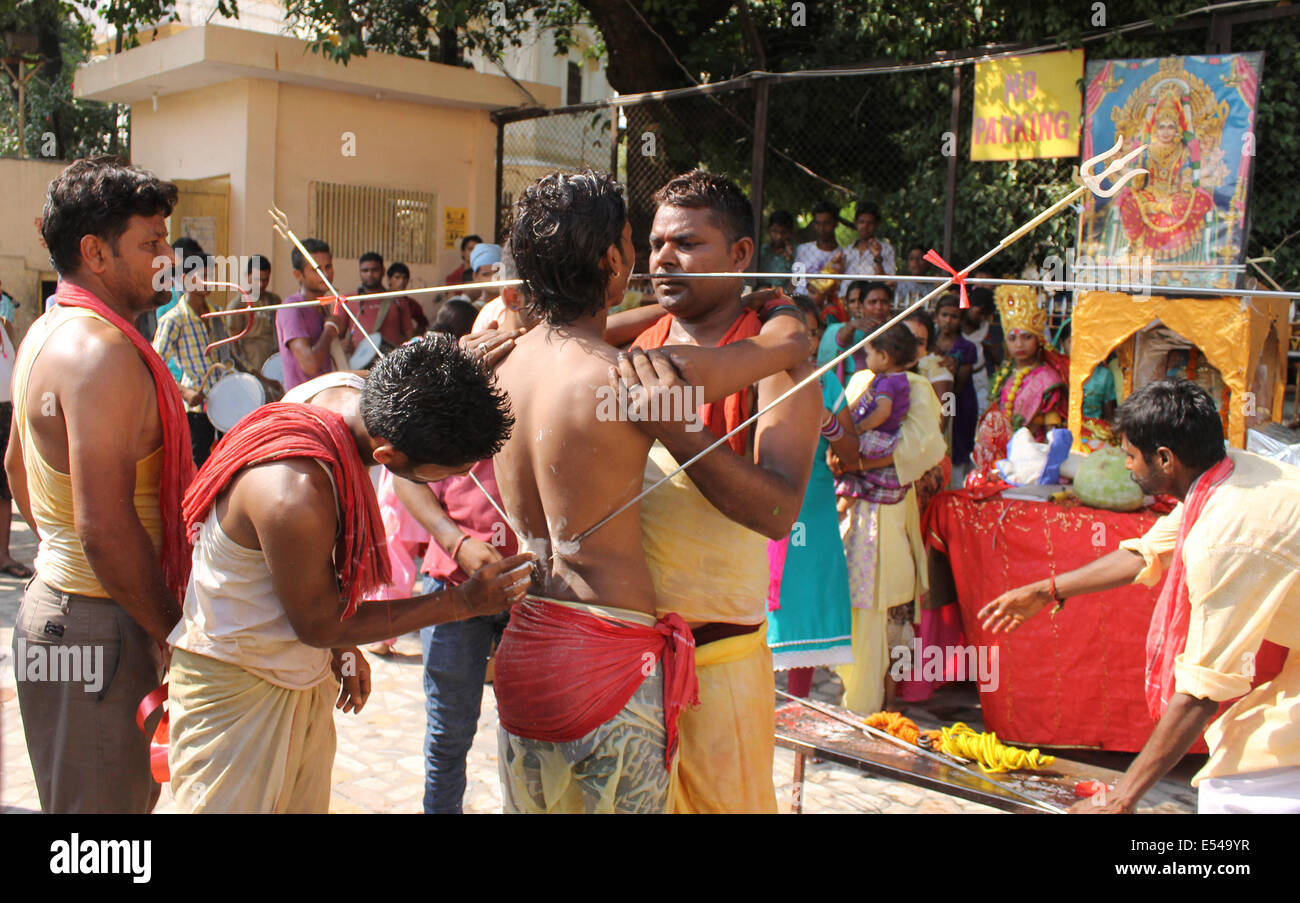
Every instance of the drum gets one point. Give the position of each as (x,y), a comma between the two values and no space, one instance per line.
(365,353)
(273,369)
(233,397)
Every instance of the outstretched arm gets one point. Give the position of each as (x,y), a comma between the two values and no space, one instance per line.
(1119,568)
(782,344)
(291,507)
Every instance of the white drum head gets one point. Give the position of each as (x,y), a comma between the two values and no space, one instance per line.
(273,369)
(365,352)
(232,398)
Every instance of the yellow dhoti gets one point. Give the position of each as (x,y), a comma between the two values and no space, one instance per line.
(241,744)
(726,746)
(709,569)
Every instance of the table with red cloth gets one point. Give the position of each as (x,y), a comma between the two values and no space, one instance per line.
(1076,679)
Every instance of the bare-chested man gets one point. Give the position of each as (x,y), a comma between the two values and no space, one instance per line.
(706,530)
(589,681)
(98,459)
(286,517)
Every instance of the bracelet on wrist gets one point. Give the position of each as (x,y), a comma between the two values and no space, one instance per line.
(455,550)
(1056,594)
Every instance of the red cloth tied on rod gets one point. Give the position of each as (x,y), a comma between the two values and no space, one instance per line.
(277,431)
(958,278)
(560,673)
(721,417)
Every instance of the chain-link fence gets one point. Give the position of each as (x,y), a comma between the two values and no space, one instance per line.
(896,137)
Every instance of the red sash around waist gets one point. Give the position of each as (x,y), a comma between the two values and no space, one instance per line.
(561,673)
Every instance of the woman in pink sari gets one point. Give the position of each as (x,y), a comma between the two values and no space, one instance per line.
(1030,388)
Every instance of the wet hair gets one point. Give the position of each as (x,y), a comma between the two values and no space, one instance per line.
(931,332)
(396,268)
(314,246)
(826,207)
(98,196)
(371,255)
(867,207)
(860,284)
(1177,414)
(469,238)
(435,404)
(781,218)
(697,189)
(455,318)
(258,262)
(564,224)
(898,342)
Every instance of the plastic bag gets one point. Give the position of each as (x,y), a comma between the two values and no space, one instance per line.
(1260,442)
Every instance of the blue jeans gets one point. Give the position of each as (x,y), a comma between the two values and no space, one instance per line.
(455,663)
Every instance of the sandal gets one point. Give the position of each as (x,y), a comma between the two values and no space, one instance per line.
(21,571)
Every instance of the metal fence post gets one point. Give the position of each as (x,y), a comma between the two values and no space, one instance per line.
(950,189)
(758,165)
(497,215)
(613,141)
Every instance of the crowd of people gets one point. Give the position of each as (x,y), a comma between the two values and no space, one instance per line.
(633,652)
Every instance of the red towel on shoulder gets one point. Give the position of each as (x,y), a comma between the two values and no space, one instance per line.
(277,431)
(724,416)
(178,457)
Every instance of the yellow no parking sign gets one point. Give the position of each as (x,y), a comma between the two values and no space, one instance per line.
(1027,106)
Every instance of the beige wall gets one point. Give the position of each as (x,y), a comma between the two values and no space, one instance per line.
(398,145)
(274,139)
(23,259)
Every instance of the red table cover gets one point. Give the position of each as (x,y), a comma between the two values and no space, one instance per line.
(1072,680)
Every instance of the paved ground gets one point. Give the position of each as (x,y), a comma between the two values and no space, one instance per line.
(380,767)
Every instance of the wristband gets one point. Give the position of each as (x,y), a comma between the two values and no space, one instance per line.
(455,550)
(1056,596)
(833,430)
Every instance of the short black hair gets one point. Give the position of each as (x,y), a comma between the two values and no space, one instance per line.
(313,246)
(470,238)
(807,305)
(435,404)
(1177,414)
(781,218)
(698,189)
(564,223)
(193,258)
(947,299)
(396,267)
(98,196)
(867,207)
(921,248)
(898,342)
(826,207)
(455,318)
(877,286)
(259,262)
(860,284)
(371,255)
(982,296)
(931,331)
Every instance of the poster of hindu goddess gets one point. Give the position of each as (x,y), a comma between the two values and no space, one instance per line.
(1189,214)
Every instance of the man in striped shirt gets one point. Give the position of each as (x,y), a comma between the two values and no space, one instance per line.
(181,339)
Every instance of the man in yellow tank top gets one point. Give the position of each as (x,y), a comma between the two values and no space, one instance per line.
(705,533)
(84,460)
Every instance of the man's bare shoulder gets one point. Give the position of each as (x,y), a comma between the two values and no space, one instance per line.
(293,497)
(88,350)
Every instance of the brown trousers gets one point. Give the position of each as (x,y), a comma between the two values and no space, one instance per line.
(83,665)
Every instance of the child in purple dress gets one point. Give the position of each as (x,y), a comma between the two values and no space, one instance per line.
(879,413)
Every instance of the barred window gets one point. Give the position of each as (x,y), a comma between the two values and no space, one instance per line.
(354,219)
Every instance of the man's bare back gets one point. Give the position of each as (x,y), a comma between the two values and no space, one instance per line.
(564,469)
